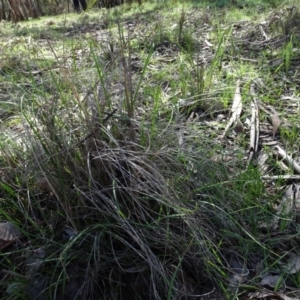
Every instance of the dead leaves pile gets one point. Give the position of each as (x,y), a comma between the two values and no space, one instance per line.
(265,145)
(264,127)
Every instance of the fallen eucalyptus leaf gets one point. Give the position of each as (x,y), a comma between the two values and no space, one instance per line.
(8,231)
(34,261)
(270,296)
(14,288)
(270,280)
(293,265)
(69,233)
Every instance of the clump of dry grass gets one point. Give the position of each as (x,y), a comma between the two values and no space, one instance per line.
(114,219)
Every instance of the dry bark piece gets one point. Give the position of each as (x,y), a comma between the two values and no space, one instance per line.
(236,108)
(275,123)
(275,120)
(262,161)
(254,127)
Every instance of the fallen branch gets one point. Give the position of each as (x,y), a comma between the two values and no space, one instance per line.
(288,160)
(284,177)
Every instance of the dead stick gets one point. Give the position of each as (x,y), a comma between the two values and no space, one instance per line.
(289,160)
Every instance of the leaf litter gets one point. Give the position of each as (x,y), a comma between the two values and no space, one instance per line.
(270,136)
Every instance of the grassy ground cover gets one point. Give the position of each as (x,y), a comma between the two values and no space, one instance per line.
(151,152)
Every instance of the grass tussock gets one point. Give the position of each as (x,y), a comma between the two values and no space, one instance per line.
(110,217)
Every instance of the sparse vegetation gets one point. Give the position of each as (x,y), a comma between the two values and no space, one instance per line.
(151,152)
